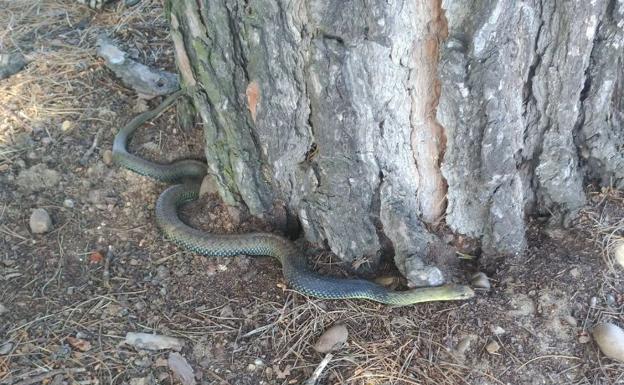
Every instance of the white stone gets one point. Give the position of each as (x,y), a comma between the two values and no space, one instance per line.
(618,252)
(610,340)
(40,221)
(332,339)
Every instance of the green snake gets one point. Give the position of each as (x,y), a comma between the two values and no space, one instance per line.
(188,175)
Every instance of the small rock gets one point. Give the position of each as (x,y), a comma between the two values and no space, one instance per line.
(575,273)
(107,157)
(584,338)
(6,348)
(570,320)
(610,299)
(181,368)
(258,362)
(593,301)
(66,126)
(69,203)
(208,186)
(610,340)
(332,339)
(419,274)
(234,213)
(11,64)
(492,347)
(481,281)
(251,367)
(3,309)
(497,330)
(618,252)
(153,341)
(40,221)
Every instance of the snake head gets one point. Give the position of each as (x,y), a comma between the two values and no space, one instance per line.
(462,291)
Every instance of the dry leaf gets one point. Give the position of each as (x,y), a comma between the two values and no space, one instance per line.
(281,374)
(96,257)
(253,97)
(80,344)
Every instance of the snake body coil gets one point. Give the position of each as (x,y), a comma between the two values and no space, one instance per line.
(294,266)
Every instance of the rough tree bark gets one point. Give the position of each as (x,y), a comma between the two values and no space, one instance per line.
(372,121)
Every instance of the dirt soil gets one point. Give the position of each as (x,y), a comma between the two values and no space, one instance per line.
(69,296)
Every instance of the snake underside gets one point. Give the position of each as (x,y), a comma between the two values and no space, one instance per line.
(294,266)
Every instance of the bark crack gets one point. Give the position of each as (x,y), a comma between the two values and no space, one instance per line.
(428,136)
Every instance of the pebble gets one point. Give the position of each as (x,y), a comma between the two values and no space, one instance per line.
(497,330)
(107,157)
(67,126)
(570,320)
(234,213)
(575,273)
(181,368)
(6,348)
(583,339)
(3,309)
(593,301)
(610,340)
(610,298)
(69,203)
(492,347)
(619,254)
(481,281)
(40,221)
(208,186)
(332,339)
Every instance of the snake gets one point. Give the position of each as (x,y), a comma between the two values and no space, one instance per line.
(185,178)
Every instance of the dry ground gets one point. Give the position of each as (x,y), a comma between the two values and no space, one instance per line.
(67,309)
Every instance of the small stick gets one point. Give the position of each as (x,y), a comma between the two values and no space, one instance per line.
(319,369)
(107,261)
(85,157)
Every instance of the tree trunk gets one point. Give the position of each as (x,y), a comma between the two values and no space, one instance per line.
(372,122)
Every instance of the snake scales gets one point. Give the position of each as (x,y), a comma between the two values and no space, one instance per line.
(188,174)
